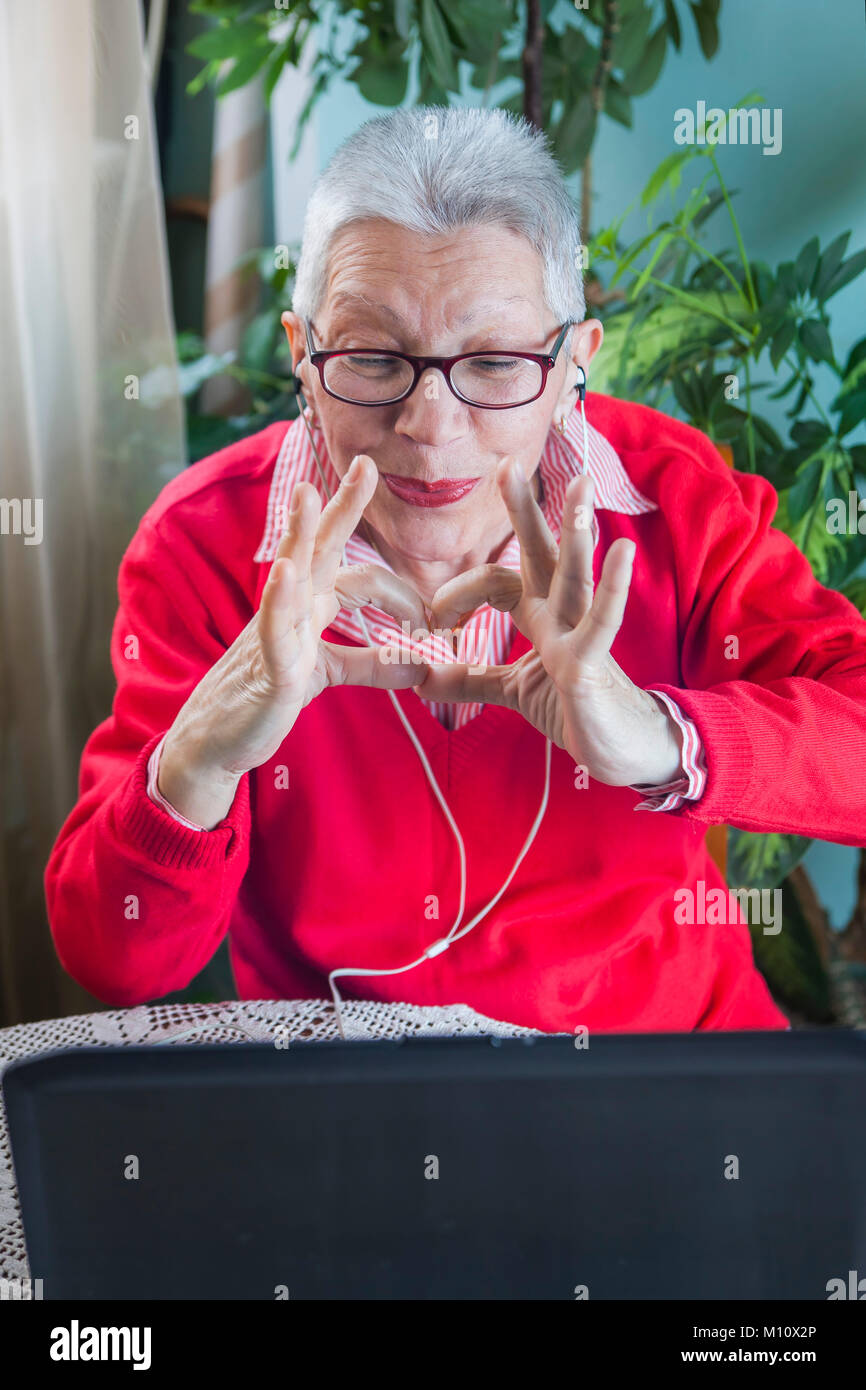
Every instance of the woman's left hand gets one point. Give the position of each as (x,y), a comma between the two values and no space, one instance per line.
(569,686)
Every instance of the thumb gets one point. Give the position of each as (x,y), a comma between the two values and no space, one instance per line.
(384,668)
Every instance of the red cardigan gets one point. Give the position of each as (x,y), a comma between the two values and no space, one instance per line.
(346,865)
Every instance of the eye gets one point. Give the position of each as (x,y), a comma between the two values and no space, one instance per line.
(370,365)
(495,364)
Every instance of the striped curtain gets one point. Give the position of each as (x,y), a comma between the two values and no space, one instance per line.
(236,225)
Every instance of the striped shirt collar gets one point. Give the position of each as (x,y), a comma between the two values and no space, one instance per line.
(560,462)
(486,637)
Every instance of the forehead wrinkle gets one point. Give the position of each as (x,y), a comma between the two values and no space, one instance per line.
(353,297)
(349,298)
(473,313)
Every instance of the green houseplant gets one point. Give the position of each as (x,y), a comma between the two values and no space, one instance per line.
(694,331)
(564,64)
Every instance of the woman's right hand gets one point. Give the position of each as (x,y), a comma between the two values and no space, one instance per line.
(241,711)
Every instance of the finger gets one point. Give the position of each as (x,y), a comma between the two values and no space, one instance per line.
(359,585)
(595,633)
(501,588)
(298,542)
(281,646)
(457,683)
(384,668)
(538,549)
(571,589)
(340,518)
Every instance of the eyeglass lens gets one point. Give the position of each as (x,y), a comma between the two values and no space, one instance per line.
(494,378)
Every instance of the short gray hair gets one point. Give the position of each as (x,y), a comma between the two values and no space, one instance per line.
(434,169)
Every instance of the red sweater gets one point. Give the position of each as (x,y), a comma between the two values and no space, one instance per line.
(345,866)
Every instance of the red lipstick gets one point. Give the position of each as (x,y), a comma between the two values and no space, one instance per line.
(441,493)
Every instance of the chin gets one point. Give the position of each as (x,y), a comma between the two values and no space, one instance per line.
(428,533)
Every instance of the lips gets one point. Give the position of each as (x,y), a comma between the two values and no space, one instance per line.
(443,492)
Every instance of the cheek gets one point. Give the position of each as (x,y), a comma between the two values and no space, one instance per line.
(521,433)
(346,435)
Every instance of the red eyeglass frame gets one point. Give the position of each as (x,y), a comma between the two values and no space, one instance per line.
(320,357)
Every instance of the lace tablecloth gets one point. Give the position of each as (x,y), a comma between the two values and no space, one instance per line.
(305,1020)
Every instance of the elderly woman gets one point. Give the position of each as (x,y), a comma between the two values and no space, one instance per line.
(435,691)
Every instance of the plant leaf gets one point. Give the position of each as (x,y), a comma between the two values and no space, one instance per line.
(669,173)
(801,496)
(673,24)
(572,136)
(227,41)
(816,340)
(807,264)
(853,412)
(782,340)
(848,271)
(829,264)
(810,434)
(617,103)
(646,73)
(630,39)
(383,84)
(437,45)
(258,341)
(762,861)
(244,70)
(790,963)
(704,13)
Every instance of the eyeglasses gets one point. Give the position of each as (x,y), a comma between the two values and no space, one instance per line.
(491,380)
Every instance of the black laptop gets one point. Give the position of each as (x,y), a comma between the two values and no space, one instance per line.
(677,1166)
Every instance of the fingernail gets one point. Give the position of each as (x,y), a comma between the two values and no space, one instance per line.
(354,472)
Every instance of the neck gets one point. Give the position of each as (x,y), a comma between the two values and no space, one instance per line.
(426,576)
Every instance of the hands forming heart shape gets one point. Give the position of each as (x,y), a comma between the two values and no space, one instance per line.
(568,686)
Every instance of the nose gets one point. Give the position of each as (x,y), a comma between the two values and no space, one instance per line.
(432,414)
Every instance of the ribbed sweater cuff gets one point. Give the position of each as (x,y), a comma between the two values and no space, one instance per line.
(166,841)
(728,751)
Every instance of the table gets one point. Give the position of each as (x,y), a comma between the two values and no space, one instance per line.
(307,1020)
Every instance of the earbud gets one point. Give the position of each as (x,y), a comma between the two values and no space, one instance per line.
(580,388)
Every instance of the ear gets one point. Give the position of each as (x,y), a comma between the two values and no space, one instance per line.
(297,338)
(586,339)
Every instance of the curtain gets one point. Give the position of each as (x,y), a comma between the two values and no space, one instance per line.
(257,195)
(236,226)
(91,425)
